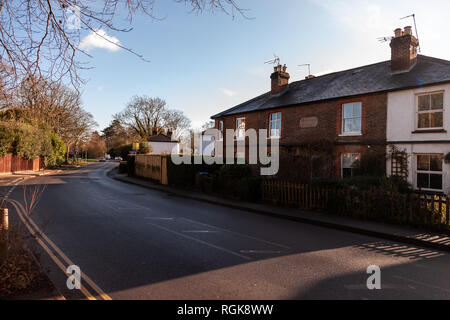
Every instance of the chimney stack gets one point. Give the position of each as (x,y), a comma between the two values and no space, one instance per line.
(169,133)
(280,79)
(403,50)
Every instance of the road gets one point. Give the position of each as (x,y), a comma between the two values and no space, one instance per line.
(136,243)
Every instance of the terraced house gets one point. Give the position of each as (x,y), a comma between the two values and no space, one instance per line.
(326,123)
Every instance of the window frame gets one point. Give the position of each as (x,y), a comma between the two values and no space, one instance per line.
(342,162)
(418,112)
(237,137)
(351,133)
(429,172)
(270,136)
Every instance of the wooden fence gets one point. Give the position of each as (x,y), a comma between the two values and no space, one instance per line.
(12,163)
(153,167)
(415,209)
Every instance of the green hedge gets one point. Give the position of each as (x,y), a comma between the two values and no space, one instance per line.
(30,142)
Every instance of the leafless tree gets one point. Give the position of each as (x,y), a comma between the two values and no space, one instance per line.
(40,38)
(146,115)
(59,108)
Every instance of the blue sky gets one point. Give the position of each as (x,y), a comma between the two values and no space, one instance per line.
(203,64)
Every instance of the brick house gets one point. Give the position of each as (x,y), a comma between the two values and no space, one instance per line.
(326,123)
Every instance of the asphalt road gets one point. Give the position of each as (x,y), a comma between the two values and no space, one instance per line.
(136,243)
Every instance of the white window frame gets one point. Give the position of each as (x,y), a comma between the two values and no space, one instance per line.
(274,121)
(429,111)
(220,137)
(352,133)
(441,173)
(342,161)
(238,137)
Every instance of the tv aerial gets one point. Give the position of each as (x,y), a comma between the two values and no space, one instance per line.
(415,27)
(304,65)
(274,61)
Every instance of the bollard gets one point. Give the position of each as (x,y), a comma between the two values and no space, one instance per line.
(5,222)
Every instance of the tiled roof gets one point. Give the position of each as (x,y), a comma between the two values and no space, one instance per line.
(358,81)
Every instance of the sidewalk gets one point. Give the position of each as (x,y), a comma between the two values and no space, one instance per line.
(391,232)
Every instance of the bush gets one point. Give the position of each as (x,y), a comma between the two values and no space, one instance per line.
(184,175)
(57,153)
(371,164)
(7,138)
(131,164)
(145,148)
(249,188)
(236,171)
(123,167)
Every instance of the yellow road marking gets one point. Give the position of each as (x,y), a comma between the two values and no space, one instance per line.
(88,280)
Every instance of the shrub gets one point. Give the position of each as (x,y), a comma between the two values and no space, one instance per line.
(236,171)
(131,164)
(145,148)
(57,153)
(123,167)
(183,175)
(372,164)
(7,139)
(249,188)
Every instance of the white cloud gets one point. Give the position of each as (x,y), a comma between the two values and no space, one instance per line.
(228,92)
(99,39)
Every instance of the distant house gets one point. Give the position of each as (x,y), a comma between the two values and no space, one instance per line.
(163,144)
(324,124)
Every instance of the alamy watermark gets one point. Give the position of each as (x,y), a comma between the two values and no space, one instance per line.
(374,281)
(74,277)
(235,150)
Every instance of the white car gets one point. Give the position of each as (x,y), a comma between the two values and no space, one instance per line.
(118,158)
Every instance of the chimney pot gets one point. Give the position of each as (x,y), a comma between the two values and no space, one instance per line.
(403,50)
(408,30)
(279,79)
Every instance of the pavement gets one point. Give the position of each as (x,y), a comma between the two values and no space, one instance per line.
(131,242)
(424,238)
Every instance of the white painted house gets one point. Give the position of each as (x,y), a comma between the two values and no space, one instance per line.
(163,144)
(418,122)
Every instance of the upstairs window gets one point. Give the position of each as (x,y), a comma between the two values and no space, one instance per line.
(430,111)
(429,172)
(240,128)
(275,125)
(351,118)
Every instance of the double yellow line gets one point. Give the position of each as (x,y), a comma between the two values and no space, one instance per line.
(39,235)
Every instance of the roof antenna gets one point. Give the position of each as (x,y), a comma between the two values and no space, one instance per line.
(275,61)
(309,68)
(415,27)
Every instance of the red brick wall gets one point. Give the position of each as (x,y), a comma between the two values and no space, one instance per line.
(329,114)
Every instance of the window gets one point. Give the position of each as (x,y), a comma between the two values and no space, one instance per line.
(275,125)
(240,128)
(220,130)
(347,163)
(351,118)
(429,171)
(430,111)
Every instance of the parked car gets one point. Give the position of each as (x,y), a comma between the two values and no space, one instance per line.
(102,159)
(118,158)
